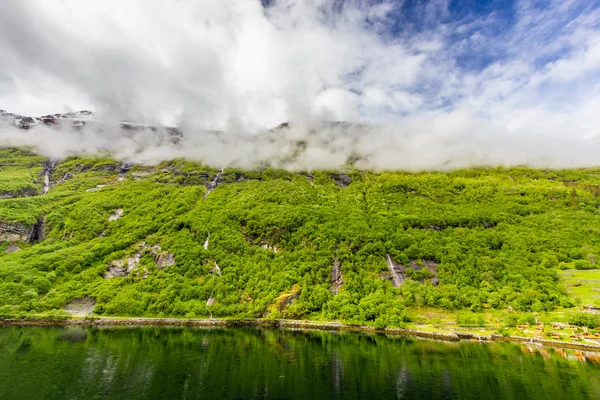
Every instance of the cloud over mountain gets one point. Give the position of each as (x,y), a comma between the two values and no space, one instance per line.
(507,84)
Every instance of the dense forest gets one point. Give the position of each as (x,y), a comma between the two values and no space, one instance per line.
(184,239)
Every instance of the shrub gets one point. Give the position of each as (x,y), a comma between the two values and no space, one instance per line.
(465,319)
(585,319)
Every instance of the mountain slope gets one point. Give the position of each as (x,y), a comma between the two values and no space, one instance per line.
(184,239)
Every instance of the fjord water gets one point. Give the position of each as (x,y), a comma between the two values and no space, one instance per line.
(253,363)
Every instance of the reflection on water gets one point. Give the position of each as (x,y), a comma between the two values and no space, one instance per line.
(176,363)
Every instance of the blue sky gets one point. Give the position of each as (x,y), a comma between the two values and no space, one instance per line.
(525,38)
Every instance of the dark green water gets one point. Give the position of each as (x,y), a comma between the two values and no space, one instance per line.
(173,363)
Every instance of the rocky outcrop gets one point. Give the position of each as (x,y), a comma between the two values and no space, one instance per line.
(98,187)
(267,246)
(76,120)
(14,232)
(215,269)
(124,267)
(12,248)
(287,298)
(29,192)
(309,176)
(125,167)
(432,267)
(65,178)
(116,215)
(398,272)
(212,185)
(81,307)
(341,179)
(163,259)
(37,231)
(337,280)
(48,169)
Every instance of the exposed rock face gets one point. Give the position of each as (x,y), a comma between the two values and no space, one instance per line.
(267,246)
(397,271)
(125,167)
(98,187)
(46,187)
(163,259)
(37,231)
(12,248)
(14,232)
(65,178)
(78,120)
(285,299)
(216,269)
(136,176)
(18,232)
(341,179)
(121,267)
(432,267)
(21,193)
(124,267)
(288,300)
(116,215)
(48,168)
(81,307)
(212,185)
(95,189)
(337,280)
(399,274)
(310,177)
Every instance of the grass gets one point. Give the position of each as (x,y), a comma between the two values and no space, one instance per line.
(583,285)
(20,173)
(18,182)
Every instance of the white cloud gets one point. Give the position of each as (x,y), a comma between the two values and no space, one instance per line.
(230,64)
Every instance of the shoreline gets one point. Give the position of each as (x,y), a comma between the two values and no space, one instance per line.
(300,325)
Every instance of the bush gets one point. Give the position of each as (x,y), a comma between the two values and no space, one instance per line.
(503,331)
(512,320)
(585,319)
(583,265)
(7,312)
(58,315)
(42,285)
(470,319)
(527,318)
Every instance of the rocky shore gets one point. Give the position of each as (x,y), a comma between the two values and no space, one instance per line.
(299,325)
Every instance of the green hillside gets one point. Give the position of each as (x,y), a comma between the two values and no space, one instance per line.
(164,241)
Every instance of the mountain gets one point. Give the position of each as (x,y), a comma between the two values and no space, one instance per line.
(78,118)
(185,239)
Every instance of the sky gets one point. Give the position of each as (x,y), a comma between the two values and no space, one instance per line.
(522,77)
